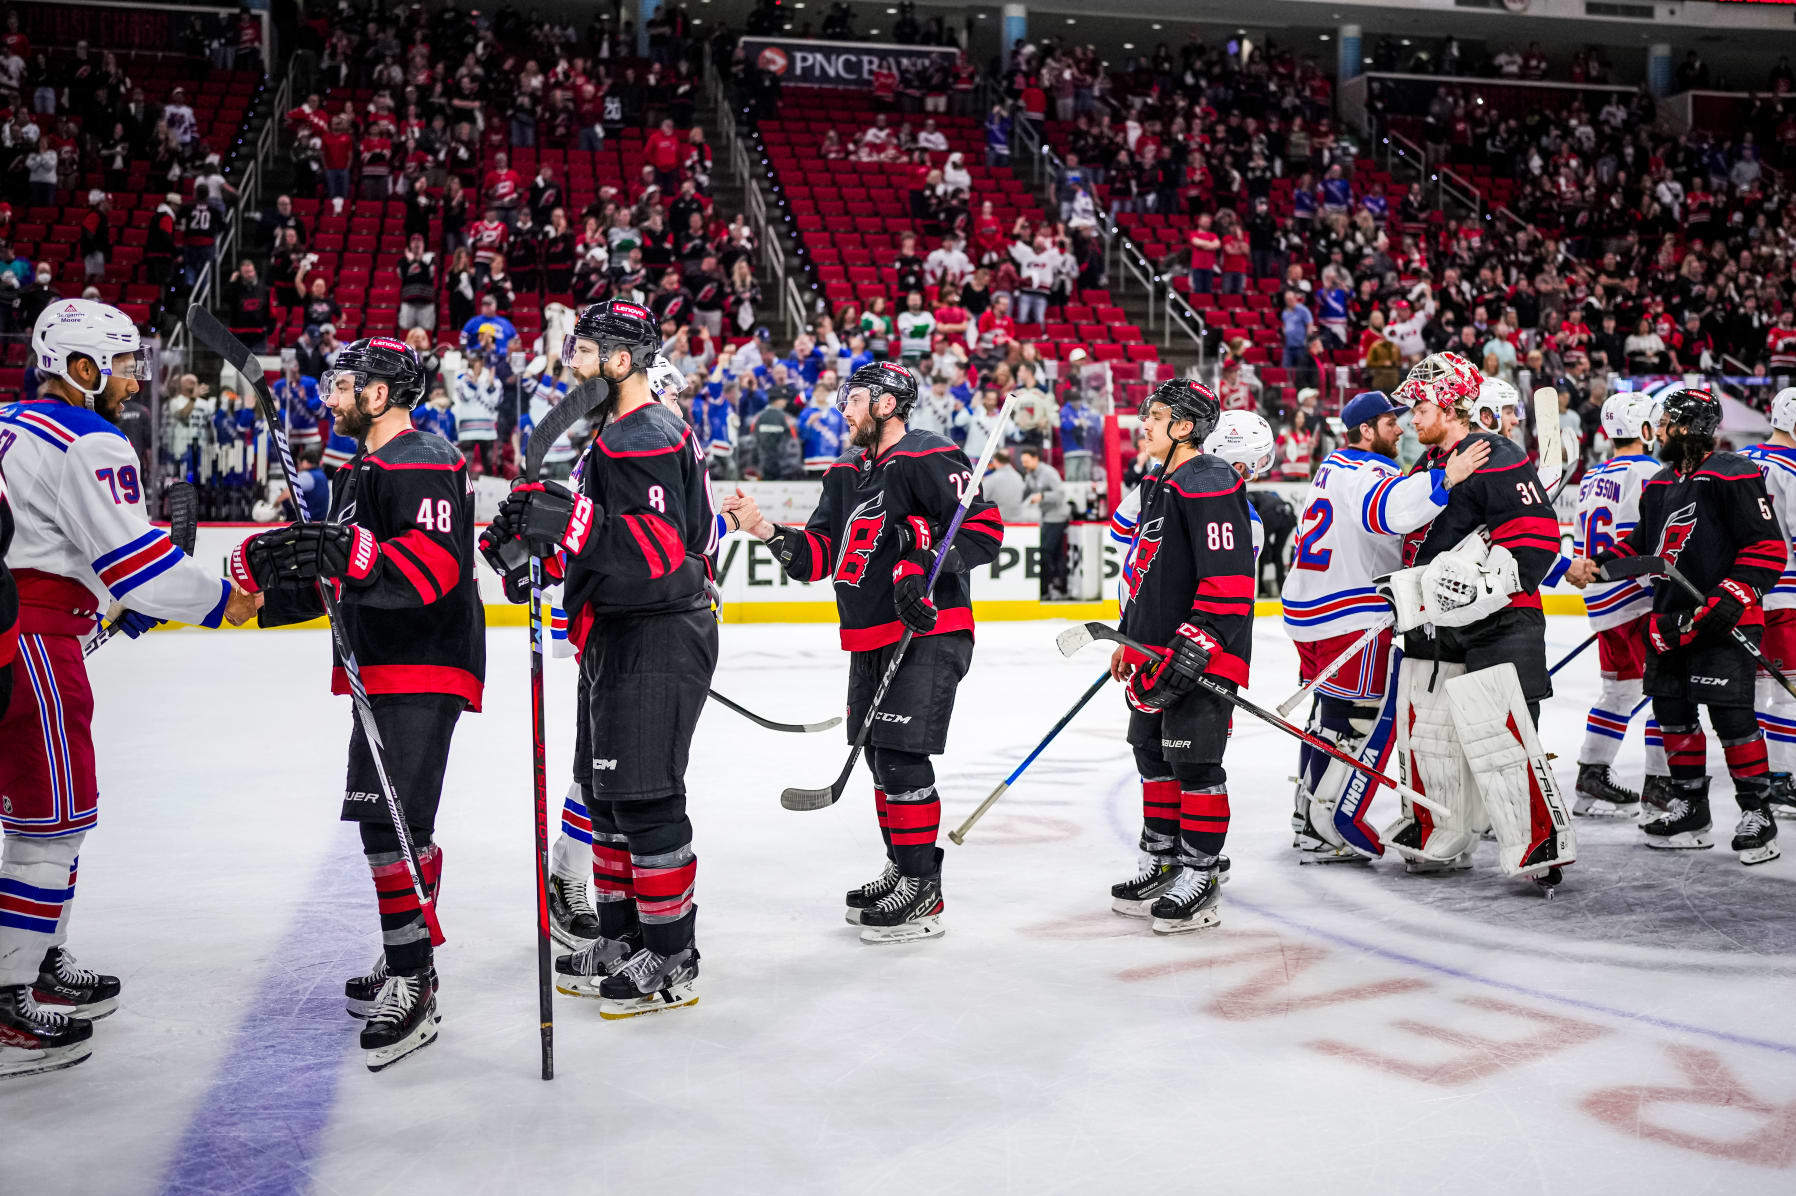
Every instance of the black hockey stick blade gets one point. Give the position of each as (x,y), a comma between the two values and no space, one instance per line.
(575,406)
(771,725)
(211,332)
(183,515)
(1633,566)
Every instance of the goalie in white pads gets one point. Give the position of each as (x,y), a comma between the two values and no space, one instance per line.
(1608,509)
(1474,670)
(1776,458)
(1351,533)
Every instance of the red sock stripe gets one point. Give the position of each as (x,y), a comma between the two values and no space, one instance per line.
(914,823)
(1160,800)
(1203,810)
(665,892)
(393,888)
(1746,759)
(879,806)
(611,870)
(1686,749)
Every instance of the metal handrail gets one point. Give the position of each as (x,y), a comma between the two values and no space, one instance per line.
(754,207)
(1450,182)
(1175,310)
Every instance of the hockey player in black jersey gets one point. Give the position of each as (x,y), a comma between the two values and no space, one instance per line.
(398,547)
(885,503)
(1474,667)
(1192,592)
(1707,513)
(635,548)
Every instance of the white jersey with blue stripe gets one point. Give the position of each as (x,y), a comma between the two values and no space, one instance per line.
(1779,466)
(1608,509)
(1355,515)
(78,507)
(1124,532)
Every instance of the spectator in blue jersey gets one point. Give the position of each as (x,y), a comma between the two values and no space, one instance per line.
(1377,204)
(1336,191)
(435,415)
(806,359)
(488,334)
(297,397)
(823,434)
(1296,320)
(313,488)
(1332,300)
(853,355)
(997,138)
(1081,434)
(1303,199)
(714,419)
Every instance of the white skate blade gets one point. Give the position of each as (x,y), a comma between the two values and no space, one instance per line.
(382,1058)
(578,986)
(852,916)
(19,1061)
(1688,841)
(1324,854)
(1133,909)
(92,1013)
(1760,855)
(360,1010)
(1596,807)
(909,932)
(1203,919)
(571,941)
(676,996)
(1422,866)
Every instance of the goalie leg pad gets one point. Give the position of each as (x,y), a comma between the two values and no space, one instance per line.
(1429,761)
(1340,804)
(1514,778)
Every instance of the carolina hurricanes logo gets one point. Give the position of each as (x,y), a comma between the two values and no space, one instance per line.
(1147,546)
(1676,533)
(859,540)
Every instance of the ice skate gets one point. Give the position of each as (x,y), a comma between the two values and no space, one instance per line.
(909,913)
(64,986)
(1684,826)
(572,921)
(34,1039)
(1755,837)
(404,1020)
(649,982)
(1598,796)
(1192,903)
(1135,898)
(1656,793)
(1783,794)
(581,974)
(859,901)
(362,993)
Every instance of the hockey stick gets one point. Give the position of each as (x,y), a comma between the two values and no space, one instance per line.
(1334,666)
(207,329)
(1077,637)
(960,835)
(1573,654)
(1552,467)
(818,799)
(1654,566)
(794,728)
(183,528)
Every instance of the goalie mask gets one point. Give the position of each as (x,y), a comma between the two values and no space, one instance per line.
(1244,440)
(1495,396)
(1634,415)
(1447,380)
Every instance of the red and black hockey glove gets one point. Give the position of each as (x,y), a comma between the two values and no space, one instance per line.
(910,579)
(510,560)
(302,554)
(1156,687)
(548,518)
(1722,609)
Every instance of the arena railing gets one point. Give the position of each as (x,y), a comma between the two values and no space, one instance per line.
(772,257)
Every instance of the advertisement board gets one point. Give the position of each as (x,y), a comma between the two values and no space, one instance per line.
(802,63)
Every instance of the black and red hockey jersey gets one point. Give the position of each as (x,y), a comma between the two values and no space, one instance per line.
(417,626)
(1714,523)
(654,545)
(1506,502)
(852,535)
(1194,563)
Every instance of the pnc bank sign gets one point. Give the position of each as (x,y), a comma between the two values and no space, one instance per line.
(838,64)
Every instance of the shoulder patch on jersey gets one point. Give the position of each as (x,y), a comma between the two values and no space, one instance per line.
(648,431)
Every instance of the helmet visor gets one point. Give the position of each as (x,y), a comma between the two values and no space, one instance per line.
(133,363)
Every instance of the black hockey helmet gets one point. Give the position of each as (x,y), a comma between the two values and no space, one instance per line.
(617,324)
(381,359)
(1697,411)
(1190,400)
(882,378)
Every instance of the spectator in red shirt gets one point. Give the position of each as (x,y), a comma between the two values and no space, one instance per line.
(665,151)
(337,148)
(1234,393)
(885,86)
(310,115)
(377,162)
(996,329)
(1236,261)
(1780,341)
(1205,248)
(951,319)
(489,238)
(503,189)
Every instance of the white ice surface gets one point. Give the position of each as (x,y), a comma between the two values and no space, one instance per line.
(1343,1030)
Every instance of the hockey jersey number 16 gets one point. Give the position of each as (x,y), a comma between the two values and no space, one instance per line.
(1608,509)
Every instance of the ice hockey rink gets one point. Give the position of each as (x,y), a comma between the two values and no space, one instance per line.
(1345,1029)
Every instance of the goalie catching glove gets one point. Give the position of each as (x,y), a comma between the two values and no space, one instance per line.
(302,554)
(1721,610)
(1155,687)
(910,578)
(548,518)
(1455,589)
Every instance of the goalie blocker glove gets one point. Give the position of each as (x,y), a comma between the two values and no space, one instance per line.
(1152,690)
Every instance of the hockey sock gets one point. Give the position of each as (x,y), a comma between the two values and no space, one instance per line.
(1159,802)
(68,904)
(402,928)
(885,829)
(1607,724)
(1743,746)
(36,889)
(663,869)
(1686,749)
(1777,717)
(573,847)
(1203,815)
(613,889)
(913,809)
(1656,765)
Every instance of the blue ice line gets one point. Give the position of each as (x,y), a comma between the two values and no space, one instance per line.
(1471,977)
(260,1124)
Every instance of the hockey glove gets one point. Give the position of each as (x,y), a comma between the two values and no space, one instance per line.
(303,554)
(1721,610)
(510,560)
(548,517)
(910,579)
(917,539)
(134,623)
(1158,686)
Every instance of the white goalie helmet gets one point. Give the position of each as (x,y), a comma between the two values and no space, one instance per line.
(1625,414)
(1242,438)
(1783,410)
(1444,379)
(84,327)
(1494,395)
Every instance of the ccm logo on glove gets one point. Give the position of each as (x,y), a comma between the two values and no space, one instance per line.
(579,525)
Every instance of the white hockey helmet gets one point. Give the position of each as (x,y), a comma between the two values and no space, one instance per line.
(1625,414)
(91,329)
(1494,394)
(1242,438)
(1783,410)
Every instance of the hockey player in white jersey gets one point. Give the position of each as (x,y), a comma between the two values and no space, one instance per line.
(1776,708)
(1608,509)
(82,541)
(1351,532)
(1498,409)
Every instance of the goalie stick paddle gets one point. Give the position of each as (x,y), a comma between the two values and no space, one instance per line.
(959,835)
(207,329)
(818,799)
(183,529)
(1654,566)
(771,725)
(1078,636)
(1553,469)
